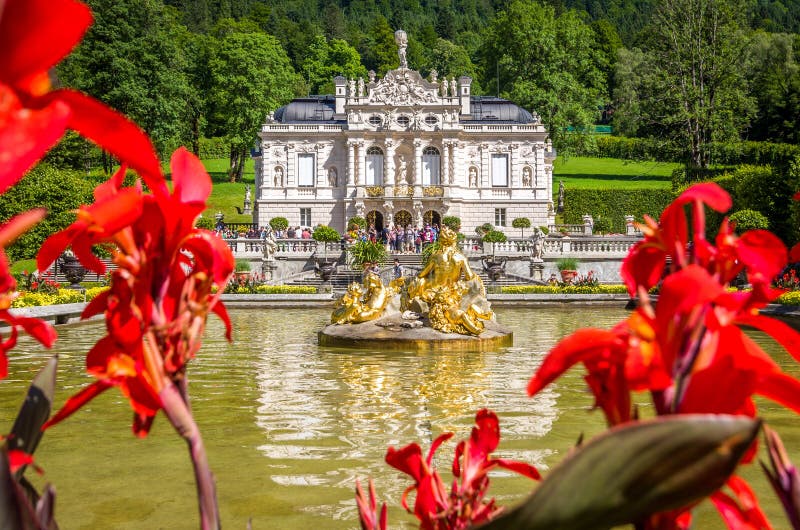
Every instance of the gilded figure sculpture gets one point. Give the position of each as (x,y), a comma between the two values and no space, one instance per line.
(364,302)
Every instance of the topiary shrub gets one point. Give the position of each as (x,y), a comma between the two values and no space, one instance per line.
(452,222)
(205,222)
(522,223)
(745,220)
(279,223)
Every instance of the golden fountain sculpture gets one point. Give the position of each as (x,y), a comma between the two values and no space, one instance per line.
(447,291)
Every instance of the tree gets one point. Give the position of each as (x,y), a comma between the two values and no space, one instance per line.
(691,90)
(522,223)
(451,60)
(251,76)
(327,59)
(549,64)
(130,60)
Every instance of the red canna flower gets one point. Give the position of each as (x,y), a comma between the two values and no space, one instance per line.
(32,117)
(464,506)
(369,516)
(38,329)
(688,351)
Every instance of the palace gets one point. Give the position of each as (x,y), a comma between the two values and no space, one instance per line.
(404,150)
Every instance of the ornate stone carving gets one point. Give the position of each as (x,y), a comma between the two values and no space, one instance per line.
(374,191)
(404,191)
(402,87)
(401,39)
(432,191)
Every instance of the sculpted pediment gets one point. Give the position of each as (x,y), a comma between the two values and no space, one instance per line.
(403,87)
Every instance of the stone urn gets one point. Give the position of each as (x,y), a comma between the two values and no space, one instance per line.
(73,271)
(495,267)
(326,270)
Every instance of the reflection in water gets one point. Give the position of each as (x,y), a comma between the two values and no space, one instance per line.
(289,425)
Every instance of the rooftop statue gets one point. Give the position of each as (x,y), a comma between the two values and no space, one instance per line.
(401,39)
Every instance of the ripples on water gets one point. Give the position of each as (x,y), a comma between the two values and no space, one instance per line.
(289,425)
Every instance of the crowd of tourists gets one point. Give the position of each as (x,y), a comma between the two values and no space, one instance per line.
(398,239)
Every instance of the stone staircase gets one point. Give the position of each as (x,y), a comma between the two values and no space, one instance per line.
(411,263)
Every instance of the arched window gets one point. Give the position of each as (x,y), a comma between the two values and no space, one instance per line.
(374,166)
(430,166)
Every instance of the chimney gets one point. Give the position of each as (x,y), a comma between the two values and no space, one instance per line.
(464,83)
(340,93)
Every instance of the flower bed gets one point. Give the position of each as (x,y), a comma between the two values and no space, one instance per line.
(61,296)
(567,289)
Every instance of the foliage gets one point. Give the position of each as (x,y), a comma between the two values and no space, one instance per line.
(614,205)
(252,75)
(749,220)
(363,253)
(216,147)
(567,264)
(521,222)
(789,298)
(602,225)
(453,222)
(564,289)
(325,234)
(130,60)
(357,221)
(60,296)
(544,230)
(205,222)
(285,289)
(327,59)
(494,236)
(568,87)
(697,45)
(788,279)
(485,228)
(242,265)
(61,191)
(279,223)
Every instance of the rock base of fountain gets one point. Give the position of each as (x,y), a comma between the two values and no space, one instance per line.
(395,333)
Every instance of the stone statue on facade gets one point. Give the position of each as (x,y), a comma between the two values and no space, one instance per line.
(453,87)
(526,177)
(401,176)
(537,244)
(560,207)
(360,87)
(351,88)
(278,176)
(444,87)
(401,39)
(333,178)
(473,177)
(434,75)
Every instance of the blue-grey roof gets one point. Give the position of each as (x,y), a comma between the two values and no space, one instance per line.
(311,108)
(321,109)
(494,109)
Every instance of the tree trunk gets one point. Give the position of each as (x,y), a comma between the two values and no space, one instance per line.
(232,170)
(196,135)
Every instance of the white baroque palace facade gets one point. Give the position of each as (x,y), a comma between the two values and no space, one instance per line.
(404,150)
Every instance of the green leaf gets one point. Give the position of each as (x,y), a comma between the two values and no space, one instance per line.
(635,470)
(34,412)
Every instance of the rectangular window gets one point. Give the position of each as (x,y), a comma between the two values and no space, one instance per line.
(500,217)
(305,217)
(305,170)
(430,170)
(499,170)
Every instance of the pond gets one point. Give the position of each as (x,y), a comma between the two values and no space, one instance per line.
(289,425)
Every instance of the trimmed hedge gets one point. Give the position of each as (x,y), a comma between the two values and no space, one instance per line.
(285,289)
(567,289)
(214,148)
(731,153)
(613,205)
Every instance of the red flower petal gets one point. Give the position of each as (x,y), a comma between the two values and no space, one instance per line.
(689,287)
(709,193)
(78,400)
(763,253)
(522,468)
(54,245)
(25,134)
(19,224)
(643,266)
(584,344)
(40,33)
(113,132)
(191,183)
(407,459)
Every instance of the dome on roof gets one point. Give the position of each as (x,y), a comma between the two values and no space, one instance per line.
(313,108)
(490,108)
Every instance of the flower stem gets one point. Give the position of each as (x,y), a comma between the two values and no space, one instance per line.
(180,416)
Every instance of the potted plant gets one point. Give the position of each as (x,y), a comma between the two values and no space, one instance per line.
(521,223)
(242,269)
(494,267)
(568,267)
(325,265)
(364,254)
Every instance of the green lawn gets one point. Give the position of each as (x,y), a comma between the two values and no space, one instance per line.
(225,196)
(583,172)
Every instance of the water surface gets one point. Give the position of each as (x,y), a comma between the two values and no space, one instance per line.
(289,425)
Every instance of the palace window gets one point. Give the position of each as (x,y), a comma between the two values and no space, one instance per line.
(430,166)
(305,217)
(500,170)
(375,120)
(403,121)
(305,170)
(430,119)
(374,167)
(500,217)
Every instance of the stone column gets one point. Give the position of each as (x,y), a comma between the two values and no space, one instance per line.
(445,176)
(388,163)
(418,163)
(351,160)
(361,160)
(485,179)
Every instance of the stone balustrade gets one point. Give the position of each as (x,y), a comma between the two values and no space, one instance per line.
(556,247)
(243,247)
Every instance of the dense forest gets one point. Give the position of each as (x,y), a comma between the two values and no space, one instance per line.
(688,73)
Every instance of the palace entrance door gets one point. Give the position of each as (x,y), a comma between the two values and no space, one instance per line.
(403,218)
(374,217)
(432,217)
